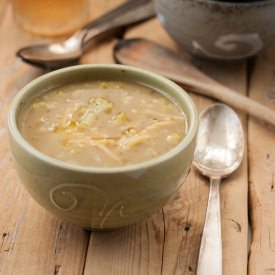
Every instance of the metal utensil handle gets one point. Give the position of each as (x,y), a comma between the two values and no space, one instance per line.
(128,13)
(210,256)
(118,11)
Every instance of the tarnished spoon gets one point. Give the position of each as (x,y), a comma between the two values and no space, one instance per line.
(58,55)
(219,152)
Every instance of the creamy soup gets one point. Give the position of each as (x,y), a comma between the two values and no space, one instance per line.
(103,123)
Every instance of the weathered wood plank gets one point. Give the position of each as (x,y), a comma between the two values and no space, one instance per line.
(3,4)
(262,170)
(181,226)
(136,249)
(233,202)
(234,190)
(32,240)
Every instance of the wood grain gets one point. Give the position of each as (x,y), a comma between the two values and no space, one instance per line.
(32,241)
(262,170)
(234,190)
(183,217)
(136,249)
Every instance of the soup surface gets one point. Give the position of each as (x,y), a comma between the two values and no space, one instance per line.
(102,124)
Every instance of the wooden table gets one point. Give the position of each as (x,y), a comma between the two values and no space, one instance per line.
(35,242)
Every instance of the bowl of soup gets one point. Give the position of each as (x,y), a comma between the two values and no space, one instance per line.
(102,146)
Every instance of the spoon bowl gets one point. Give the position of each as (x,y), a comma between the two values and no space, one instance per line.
(219,152)
(68,52)
(55,55)
(220,144)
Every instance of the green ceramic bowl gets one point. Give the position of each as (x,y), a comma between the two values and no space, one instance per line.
(101,198)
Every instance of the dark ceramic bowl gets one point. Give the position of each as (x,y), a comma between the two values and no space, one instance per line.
(219,29)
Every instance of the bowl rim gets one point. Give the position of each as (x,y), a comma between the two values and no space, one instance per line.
(15,133)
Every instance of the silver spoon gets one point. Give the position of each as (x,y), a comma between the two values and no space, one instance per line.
(58,55)
(219,152)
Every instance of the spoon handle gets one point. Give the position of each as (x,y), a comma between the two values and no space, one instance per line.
(128,13)
(118,11)
(210,256)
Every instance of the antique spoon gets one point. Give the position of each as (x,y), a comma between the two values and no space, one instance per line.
(219,152)
(68,52)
